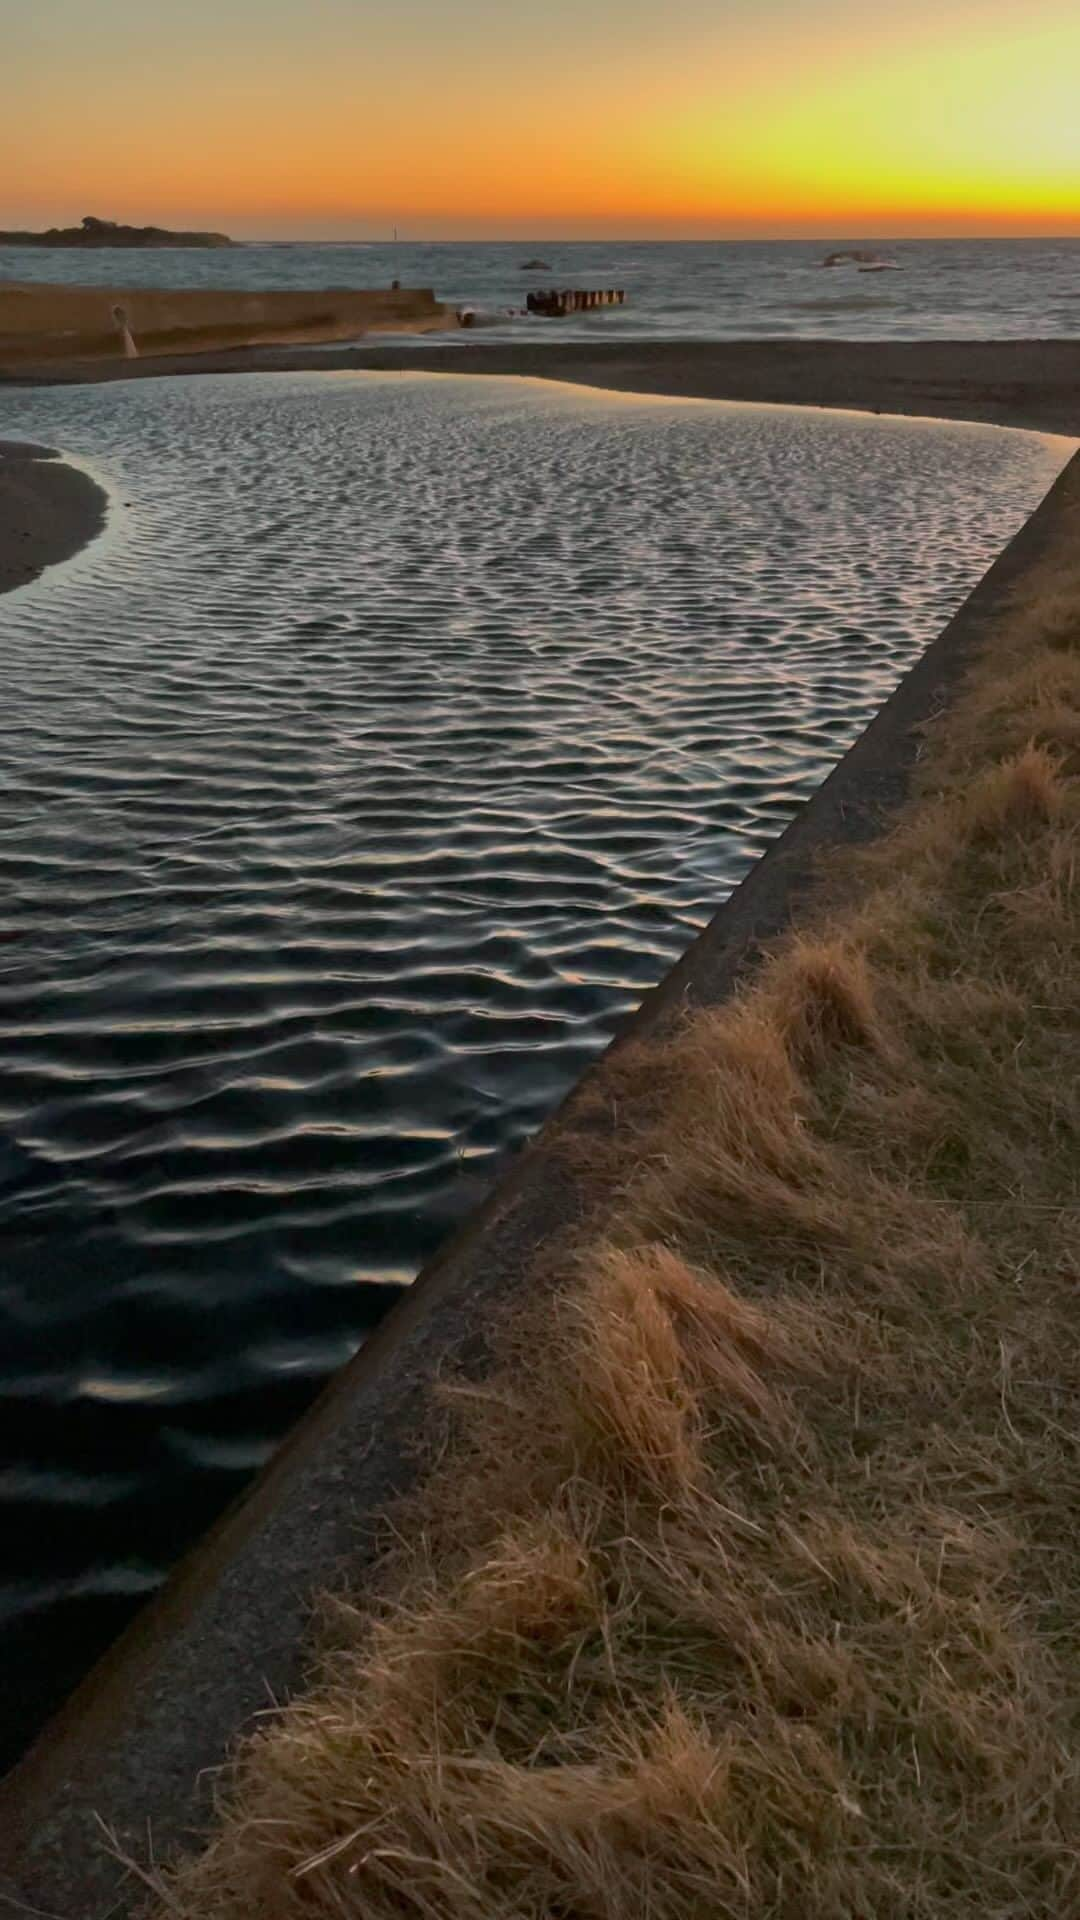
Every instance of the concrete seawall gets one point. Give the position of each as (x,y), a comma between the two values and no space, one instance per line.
(227,1631)
(43,323)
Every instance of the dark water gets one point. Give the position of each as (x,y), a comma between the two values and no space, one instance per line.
(396,736)
(943,289)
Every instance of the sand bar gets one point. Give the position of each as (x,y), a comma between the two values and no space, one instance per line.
(1010,383)
(47,511)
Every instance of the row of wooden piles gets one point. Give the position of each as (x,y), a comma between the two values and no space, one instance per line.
(554,303)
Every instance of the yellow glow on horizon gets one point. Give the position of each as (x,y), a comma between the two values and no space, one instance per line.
(929,129)
(962,119)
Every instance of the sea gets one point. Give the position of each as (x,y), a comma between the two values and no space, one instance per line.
(699,290)
(397,735)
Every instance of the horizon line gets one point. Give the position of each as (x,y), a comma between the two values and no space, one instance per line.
(634,239)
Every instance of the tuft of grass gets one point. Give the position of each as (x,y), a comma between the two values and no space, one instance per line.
(821,997)
(748,1585)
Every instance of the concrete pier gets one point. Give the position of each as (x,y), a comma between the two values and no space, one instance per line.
(43,323)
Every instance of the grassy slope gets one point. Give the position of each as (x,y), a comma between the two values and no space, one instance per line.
(748,1587)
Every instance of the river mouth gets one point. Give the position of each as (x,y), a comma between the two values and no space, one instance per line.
(400,732)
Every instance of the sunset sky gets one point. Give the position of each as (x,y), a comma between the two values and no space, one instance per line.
(581,117)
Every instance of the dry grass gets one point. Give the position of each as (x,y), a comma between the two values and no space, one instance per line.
(750,1589)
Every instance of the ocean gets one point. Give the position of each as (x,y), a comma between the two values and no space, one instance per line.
(700,290)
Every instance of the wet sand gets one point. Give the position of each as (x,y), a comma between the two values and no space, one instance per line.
(1012,383)
(47,511)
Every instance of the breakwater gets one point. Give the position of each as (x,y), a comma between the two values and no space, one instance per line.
(556,303)
(46,323)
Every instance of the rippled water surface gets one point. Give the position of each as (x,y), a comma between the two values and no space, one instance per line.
(396,736)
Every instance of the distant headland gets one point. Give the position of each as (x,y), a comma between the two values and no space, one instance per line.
(110,233)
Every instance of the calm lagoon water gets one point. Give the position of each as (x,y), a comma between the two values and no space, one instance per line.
(396,736)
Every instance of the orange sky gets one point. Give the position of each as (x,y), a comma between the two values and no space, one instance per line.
(591,117)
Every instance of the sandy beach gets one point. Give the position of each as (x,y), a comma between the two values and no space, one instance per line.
(1010,383)
(1013,383)
(47,511)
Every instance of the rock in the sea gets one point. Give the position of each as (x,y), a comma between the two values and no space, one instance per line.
(109,233)
(535,266)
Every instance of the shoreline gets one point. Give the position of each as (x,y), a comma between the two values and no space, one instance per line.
(49,511)
(1030,384)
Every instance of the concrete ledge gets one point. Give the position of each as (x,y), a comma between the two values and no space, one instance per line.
(227,1631)
(42,323)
